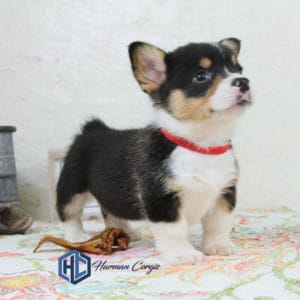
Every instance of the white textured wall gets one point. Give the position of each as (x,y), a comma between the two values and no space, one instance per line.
(62,61)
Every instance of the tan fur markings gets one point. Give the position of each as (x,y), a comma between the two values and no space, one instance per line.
(205,62)
(172,185)
(231,45)
(193,109)
(223,205)
(75,207)
(234,59)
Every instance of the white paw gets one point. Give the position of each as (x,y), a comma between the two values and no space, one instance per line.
(218,246)
(182,255)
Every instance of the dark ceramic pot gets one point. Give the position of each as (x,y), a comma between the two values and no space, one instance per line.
(8,176)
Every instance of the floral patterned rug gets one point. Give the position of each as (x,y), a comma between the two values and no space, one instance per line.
(267,265)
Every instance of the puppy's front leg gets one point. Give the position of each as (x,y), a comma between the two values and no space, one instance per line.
(217,225)
(172,242)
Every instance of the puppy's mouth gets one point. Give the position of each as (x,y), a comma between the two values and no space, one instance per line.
(243,99)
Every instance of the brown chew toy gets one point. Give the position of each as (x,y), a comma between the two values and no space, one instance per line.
(101,243)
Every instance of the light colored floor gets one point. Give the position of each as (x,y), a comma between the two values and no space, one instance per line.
(267,265)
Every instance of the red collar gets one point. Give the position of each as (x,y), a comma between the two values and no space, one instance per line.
(194,147)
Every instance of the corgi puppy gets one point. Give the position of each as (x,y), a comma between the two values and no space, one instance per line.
(179,170)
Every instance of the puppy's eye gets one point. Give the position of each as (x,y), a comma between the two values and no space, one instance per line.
(201,76)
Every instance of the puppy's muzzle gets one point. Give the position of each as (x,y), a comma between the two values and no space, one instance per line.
(242,83)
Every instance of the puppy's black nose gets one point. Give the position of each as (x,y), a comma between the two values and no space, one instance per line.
(242,83)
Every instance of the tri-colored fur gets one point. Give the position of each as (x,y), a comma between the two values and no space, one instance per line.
(198,93)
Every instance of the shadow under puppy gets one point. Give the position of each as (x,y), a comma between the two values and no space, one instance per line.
(181,169)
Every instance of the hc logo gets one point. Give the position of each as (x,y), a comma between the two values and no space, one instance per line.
(69,265)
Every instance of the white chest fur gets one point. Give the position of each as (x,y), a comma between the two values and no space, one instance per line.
(201,179)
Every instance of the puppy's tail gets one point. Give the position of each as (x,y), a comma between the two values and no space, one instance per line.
(93,125)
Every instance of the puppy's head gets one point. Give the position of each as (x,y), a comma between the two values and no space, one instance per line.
(194,82)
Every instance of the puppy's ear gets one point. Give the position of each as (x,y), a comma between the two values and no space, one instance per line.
(233,44)
(148,65)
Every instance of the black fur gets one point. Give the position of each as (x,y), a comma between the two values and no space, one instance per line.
(230,197)
(115,166)
(93,125)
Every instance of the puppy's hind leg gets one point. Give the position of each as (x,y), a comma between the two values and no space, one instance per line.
(72,223)
(72,188)
(112,221)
